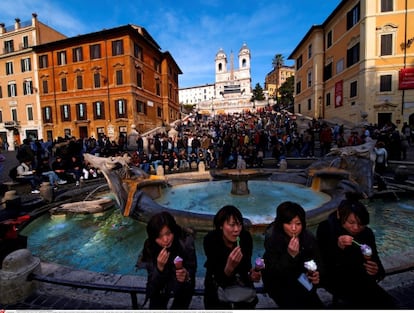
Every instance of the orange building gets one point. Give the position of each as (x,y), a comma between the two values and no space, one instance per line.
(358,66)
(20,115)
(106,83)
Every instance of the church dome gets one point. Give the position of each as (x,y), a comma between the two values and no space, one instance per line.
(221,53)
(244,49)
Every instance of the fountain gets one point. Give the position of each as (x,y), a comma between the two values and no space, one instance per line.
(239,178)
(125,182)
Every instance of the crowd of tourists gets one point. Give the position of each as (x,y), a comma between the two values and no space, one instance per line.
(218,142)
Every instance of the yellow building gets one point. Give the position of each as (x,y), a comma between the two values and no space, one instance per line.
(275,78)
(106,83)
(358,66)
(20,115)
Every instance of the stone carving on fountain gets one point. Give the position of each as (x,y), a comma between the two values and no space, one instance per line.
(127,183)
(353,165)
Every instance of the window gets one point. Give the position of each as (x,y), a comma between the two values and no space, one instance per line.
(386,44)
(29,113)
(27,87)
(95,51)
(1,116)
(157,66)
(1,93)
(157,87)
(119,77)
(11,90)
(385,83)
(352,55)
(77,54)
(159,112)
(98,110)
(61,57)
(329,39)
(138,52)
(353,16)
(8,46)
(298,87)
(139,78)
(65,112)
(47,114)
(9,68)
(43,62)
(387,5)
(339,66)
(25,42)
(63,84)
(79,82)
(120,108)
(45,86)
(140,106)
(353,90)
(309,79)
(26,64)
(97,80)
(299,62)
(327,72)
(328,99)
(14,114)
(81,111)
(309,51)
(117,47)
(309,104)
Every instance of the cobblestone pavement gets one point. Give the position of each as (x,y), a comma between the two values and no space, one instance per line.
(401,286)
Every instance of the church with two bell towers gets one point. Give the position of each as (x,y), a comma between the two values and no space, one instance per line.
(231,91)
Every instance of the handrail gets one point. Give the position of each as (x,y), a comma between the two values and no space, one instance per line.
(133,291)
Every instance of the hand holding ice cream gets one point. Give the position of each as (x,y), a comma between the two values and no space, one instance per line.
(178,262)
(313,274)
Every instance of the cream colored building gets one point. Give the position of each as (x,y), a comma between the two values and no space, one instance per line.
(352,67)
(20,113)
(232,89)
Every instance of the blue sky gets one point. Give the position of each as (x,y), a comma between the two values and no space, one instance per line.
(191,30)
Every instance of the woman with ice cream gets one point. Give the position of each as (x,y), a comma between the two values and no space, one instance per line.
(170,259)
(350,256)
(292,260)
(228,249)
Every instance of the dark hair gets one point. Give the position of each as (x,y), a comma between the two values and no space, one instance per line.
(352,205)
(158,221)
(225,213)
(288,210)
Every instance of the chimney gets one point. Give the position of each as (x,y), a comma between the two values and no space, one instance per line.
(2,28)
(34,19)
(17,24)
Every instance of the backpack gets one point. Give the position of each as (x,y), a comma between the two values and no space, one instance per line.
(13,172)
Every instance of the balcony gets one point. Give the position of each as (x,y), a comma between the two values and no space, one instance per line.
(11,124)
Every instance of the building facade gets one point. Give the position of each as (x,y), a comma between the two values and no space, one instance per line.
(20,114)
(358,66)
(231,91)
(275,78)
(106,83)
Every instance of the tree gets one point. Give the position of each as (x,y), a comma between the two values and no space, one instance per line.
(258,93)
(277,62)
(286,91)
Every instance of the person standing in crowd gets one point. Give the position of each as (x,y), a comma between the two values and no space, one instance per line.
(168,276)
(289,248)
(349,253)
(228,249)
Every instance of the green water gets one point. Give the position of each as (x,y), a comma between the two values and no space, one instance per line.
(111,243)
